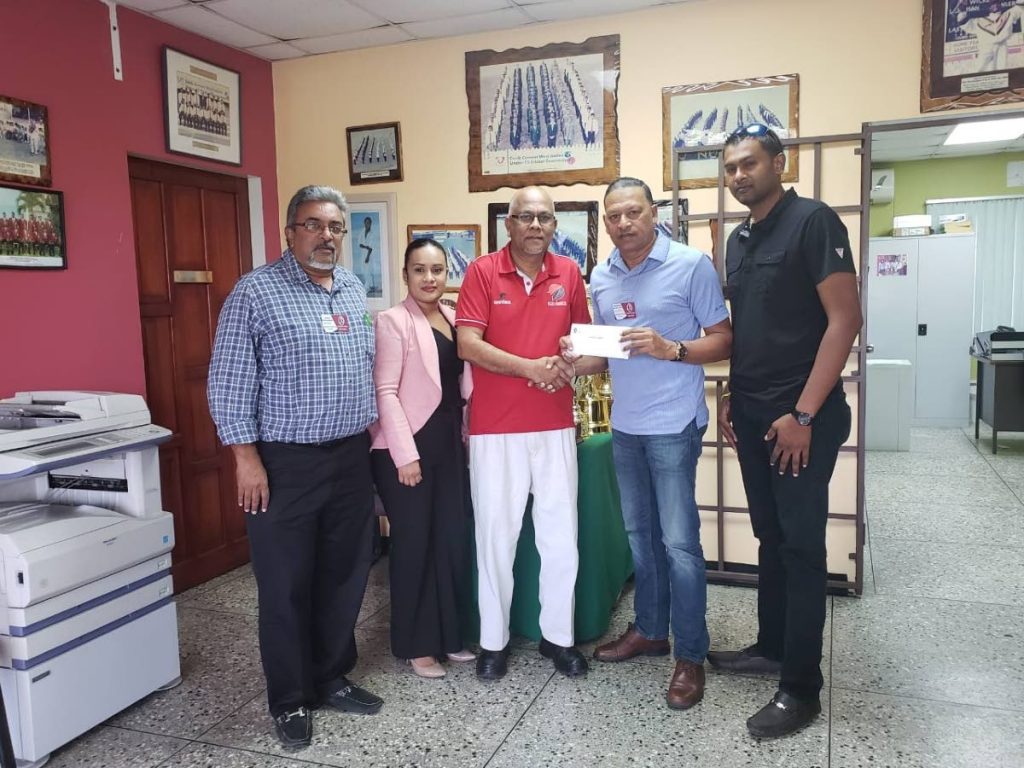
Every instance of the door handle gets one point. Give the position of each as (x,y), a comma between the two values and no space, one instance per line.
(922,329)
(869,348)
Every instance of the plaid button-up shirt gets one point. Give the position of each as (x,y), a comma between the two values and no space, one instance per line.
(292,362)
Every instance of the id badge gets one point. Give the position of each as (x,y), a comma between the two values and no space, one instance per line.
(624,310)
(334,323)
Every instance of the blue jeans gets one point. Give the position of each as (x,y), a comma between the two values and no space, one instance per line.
(657,475)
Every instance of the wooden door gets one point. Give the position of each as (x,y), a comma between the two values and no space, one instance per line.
(191,244)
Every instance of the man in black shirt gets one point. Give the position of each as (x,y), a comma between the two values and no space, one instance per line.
(795,314)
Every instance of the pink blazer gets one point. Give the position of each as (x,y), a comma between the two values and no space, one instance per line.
(408,378)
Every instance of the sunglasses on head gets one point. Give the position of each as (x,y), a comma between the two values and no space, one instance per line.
(753,129)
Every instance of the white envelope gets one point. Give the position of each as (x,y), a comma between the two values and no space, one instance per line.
(598,340)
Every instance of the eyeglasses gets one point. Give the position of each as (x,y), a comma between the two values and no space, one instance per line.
(753,129)
(526,219)
(315,226)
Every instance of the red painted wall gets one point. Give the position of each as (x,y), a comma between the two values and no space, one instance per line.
(79,328)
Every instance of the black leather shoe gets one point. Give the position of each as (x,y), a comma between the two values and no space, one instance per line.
(749,661)
(492,665)
(352,698)
(569,661)
(294,729)
(781,716)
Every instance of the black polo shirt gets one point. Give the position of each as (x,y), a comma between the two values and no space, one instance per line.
(772,270)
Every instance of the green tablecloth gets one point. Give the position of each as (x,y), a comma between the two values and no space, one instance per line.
(605,559)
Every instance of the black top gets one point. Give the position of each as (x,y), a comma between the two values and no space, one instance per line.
(451,370)
(772,270)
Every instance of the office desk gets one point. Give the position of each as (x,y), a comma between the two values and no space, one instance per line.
(1000,396)
(605,559)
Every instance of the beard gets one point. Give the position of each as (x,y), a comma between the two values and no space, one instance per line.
(323,259)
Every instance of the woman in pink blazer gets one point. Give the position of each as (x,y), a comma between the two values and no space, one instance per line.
(419,464)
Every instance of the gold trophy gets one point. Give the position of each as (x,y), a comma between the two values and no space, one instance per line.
(593,405)
(601,402)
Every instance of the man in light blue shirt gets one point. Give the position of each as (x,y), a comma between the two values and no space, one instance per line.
(663,294)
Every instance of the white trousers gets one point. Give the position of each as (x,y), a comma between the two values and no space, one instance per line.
(503,471)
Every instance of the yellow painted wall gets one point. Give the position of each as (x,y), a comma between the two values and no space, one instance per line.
(857,62)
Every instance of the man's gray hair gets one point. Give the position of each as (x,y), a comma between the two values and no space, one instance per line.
(315,194)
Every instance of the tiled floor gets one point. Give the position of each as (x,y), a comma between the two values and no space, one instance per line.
(925,670)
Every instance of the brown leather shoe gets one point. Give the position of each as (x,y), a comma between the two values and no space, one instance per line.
(687,686)
(630,644)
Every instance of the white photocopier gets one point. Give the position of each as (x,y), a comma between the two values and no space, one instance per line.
(87,620)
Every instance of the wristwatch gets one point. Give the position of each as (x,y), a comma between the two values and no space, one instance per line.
(803,419)
(681,352)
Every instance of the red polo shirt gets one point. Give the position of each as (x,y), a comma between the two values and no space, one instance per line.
(493,297)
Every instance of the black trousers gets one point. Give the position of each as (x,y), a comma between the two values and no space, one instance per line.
(311,553)
(788,515)
(429,554)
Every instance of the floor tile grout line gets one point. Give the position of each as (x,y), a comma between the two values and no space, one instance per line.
(961,543)
(505,738)
(929,699)
(831,661)
(918,596)
(868,539)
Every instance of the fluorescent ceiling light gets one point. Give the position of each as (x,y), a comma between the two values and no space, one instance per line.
(985,131)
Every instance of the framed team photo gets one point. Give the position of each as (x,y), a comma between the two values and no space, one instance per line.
(972,53)
(32,229)
(461,244)
(543,115)
(374,153)
(704,114)
(24,142)
(201,108)
(575,236)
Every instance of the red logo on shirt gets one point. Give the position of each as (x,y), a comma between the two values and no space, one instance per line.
(556,295)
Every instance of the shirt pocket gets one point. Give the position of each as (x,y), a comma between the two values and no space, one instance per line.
(766,270)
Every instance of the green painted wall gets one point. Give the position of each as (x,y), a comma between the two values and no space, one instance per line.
(920,180)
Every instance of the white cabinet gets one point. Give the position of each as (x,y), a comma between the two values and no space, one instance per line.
(920,295)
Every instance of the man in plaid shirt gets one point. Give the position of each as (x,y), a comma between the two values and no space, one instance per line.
(291,391)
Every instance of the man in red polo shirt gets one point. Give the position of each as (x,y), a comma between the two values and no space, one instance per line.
(514,306)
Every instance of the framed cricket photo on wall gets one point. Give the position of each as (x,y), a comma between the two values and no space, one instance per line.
(543,115)
(704,114)
(461,243)
(370,249)
(972,53)
(201,108)
(32,229)
(374,153)
(24,142)
(575,234)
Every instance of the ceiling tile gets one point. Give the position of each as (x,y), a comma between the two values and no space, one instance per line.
(574,9)
(401,11)
(298,18)
(276,51)
(208,24)
(367,38)
(148,6)
(466,25)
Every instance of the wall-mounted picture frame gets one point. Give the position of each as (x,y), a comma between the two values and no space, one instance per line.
(32,229)
(202,108)
(371,248)
(543,115)
(972,54)
(704,114)
(24,142)
(374,153)
(665,219)
(461,245)
(575,235)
